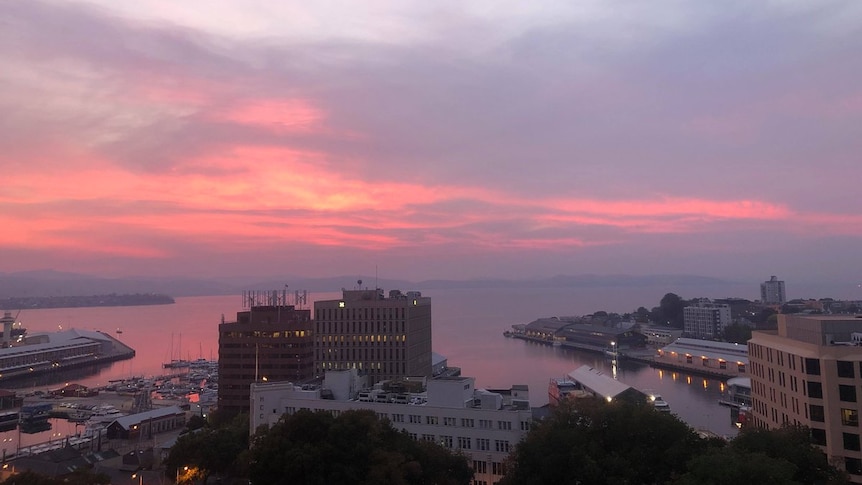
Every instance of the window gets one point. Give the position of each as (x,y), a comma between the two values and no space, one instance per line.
(816,413)
(397,418)
(688,359)
(851,441)
(480,467)
(446,441)
(428,437)
(430,419)
(845,369)
(467,422)
(740,367)
(485,423)
(415,419)
(504,425)
(849,417)
(498,468)
(722,364)
(448,421)
(847,393)
(812,367)
(853,465)
(525,426)
(501,445)
(818,436)
(464,443)
(483,444)
(815,389)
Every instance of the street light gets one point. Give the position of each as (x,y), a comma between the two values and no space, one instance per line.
(139,476)
(185,469)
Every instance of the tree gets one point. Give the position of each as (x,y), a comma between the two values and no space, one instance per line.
(671,307)
(80,476)
(737,333)
(211,450)
(300,449)
(591,441)
(642,315)
(782,456)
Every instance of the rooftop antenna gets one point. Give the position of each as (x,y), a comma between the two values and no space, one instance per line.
(359,284)
(376,284)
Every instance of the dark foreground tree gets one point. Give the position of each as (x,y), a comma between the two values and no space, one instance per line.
(783,456)
(210,451)
(356,447)
(81,476)
(591,441)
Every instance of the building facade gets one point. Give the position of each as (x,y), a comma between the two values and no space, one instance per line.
(705,319)
(772,292)
(385,338)
(266,342)
(483,425)
(704,357)
(809,372)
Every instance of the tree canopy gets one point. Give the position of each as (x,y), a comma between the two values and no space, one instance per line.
(354,447)
(591,441)
(210,450)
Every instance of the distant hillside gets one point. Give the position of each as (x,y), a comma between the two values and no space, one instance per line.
(54,283)
(58,284)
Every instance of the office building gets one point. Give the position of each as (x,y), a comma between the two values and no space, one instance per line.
(772,292)
(705,319)
(269,341)
(484,425)
(809,372)
(384,338)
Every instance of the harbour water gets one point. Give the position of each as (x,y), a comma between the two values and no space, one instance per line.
(468,327)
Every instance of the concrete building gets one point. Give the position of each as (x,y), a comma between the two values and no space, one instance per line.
(705,319)
(697,356)
(772,292)
(809,372)
(482,424)
(385,338)
(268,341)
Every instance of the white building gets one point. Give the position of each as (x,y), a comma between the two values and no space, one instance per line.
(772,292)
(484,425)
(705,319)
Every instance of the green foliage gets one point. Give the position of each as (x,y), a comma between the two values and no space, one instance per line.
(81,476)
(356,447)
(196,422)
(671,309)
(783,456)
(737,333)
(590,441)
(211,450)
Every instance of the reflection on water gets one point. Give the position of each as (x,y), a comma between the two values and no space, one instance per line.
(467,329)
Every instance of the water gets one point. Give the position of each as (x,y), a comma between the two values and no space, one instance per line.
(468,329)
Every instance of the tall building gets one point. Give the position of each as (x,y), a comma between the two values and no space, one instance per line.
(269,341)
(809,372)
(385,338)
(483,424)
(772,292)
(705,319)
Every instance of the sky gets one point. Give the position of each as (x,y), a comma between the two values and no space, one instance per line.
(443,139)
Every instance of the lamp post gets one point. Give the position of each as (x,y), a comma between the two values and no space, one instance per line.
(139,476)
(185,469)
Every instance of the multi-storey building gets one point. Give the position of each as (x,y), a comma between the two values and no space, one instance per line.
(385,338)
(705,319)
(484,425)
(271,341)
(809,372)
(772,292)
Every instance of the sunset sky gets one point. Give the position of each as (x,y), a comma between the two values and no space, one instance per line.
(432,139)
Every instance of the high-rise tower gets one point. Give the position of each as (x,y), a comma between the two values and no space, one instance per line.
(385,338)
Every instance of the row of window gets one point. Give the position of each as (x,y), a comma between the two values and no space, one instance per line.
(451,421)
(465,442)
(325,315)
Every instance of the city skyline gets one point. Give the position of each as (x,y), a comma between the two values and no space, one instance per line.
(432,140)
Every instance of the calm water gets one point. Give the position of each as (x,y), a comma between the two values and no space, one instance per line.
(467,328)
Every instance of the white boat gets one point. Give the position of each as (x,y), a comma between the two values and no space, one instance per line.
(660,404)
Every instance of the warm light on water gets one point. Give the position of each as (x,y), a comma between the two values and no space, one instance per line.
(468,329)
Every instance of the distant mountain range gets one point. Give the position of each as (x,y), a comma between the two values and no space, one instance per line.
(55,283)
